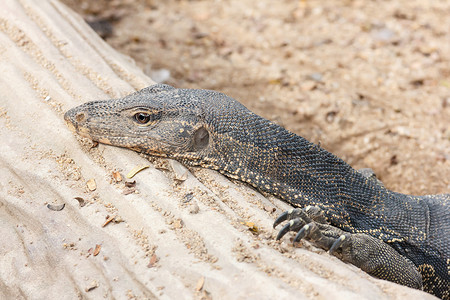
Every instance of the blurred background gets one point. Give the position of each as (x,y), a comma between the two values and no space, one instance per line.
(368,80)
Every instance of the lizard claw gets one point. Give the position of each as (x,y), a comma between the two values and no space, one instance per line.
(338,243)
(297,219)
(291,214)
(293,225)
(281,218)
(305,231)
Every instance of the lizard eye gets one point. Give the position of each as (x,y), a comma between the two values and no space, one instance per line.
(142,118)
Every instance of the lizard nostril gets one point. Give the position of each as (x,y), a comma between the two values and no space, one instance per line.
(80,117)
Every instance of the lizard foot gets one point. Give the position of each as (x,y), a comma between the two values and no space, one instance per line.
(310,224)
(370,254)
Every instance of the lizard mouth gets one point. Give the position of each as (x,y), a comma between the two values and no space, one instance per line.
(80,122)
(75,124)
(83,131)
(86,133)
(71,126)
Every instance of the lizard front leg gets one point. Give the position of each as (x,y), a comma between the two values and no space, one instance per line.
(370,254)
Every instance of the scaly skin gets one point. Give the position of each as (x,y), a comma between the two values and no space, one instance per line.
(208,129)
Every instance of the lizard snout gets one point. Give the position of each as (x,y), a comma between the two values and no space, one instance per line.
(76,119)
(75,116)
(80,116)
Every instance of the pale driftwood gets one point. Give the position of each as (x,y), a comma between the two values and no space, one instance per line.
(50,61)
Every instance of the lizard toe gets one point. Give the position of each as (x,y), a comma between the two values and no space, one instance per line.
(305,232)
(292,225)
(338,243)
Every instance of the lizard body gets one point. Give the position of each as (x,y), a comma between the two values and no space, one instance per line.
(209,129)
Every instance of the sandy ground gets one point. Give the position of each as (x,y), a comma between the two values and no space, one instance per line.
(369,80)
(184,234)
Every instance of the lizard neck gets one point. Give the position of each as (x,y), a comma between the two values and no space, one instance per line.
(276,161)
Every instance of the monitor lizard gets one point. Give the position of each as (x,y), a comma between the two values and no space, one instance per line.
(392,236)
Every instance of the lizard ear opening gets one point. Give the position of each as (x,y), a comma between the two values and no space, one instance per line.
(201,139)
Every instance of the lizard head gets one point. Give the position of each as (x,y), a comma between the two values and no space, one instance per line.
(158,120)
